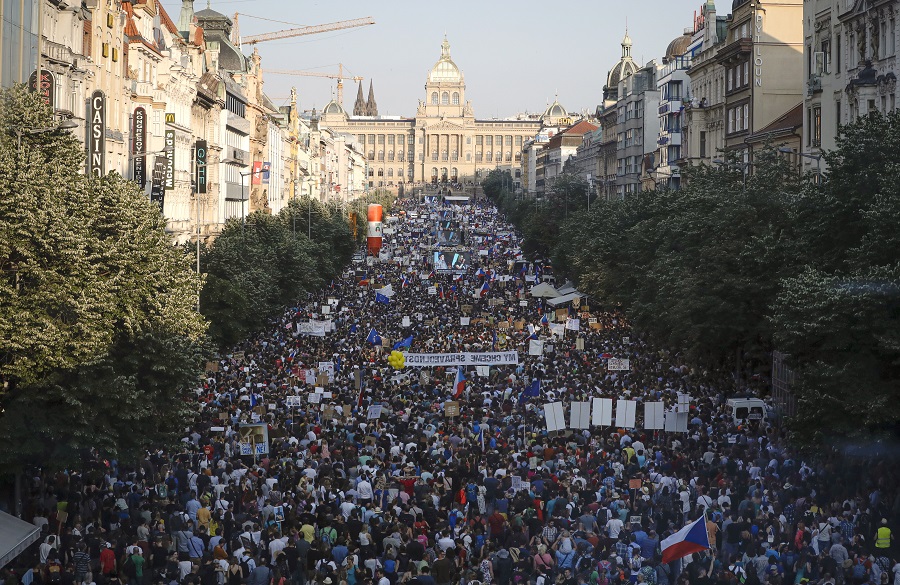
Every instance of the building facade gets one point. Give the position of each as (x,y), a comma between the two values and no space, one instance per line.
(19,36)
(674,85)
(637,128)
(443,142)
(850,63)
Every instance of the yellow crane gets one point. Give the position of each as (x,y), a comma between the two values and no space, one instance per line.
(340,78)
(295,32)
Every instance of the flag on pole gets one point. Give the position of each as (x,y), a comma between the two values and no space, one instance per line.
(690,539)
(253,400)
(405,282)
(485,288)
(460,384)
(373,337)
(404,342)
(544,319)
(533,390)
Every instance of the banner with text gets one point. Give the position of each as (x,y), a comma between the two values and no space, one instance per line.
(428,360)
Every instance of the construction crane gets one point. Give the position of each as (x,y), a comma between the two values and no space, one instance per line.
(340,78)
(296,32)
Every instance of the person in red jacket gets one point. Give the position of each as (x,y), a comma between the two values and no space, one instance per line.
(107,559)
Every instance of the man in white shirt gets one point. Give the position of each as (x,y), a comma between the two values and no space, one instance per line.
(445,542)
(364,489)
(614,526)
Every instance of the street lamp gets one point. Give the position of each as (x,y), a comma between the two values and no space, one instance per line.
(815,157)
(19,132)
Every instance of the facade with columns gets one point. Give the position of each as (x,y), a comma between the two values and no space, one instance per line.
(443,142)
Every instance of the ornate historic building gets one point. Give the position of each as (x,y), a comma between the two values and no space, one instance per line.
(443,142)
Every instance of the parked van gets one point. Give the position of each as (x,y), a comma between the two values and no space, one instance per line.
(747,410)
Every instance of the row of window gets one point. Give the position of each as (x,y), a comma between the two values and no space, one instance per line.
(738,77)
(445,98)
(390,155)
(629,165)
(632,137)
(630,111)
(390,139)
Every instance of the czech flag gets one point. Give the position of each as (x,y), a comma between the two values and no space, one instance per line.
(460,383)
(405,282)
(544,319)
(690,539)
(485,288)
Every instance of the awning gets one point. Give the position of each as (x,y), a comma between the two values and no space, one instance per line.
(15,536)
(564,299)
(543,290)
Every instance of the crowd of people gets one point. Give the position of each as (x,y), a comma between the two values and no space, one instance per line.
(485,496)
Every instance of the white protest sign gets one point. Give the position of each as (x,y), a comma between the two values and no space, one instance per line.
(626,413)
(483,371)
(653,415)
(618,364)
(432,290)
(535,347)
(314,397)
(374,411)
(579,415)
(464,321)
(405,322)
(558,329)
(601,413)
(327,368)
(293,401)
(553,415)
(310,376)
(573,324)
(326,309)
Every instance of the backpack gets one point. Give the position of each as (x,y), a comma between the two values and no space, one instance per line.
(129,568)
(245,567)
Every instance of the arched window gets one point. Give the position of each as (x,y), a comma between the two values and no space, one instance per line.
(380,155)
(468,157)
(508,156)
(390,173)
(489,156)
(445,99)
(434,172)
(400,172)
(400,156)
(380,172)
(455,98)
(434,98)
(453,174)
(390,155)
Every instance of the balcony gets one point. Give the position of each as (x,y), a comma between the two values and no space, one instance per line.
(813,85)
(58,53)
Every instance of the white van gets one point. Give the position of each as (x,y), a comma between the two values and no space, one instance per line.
(747,409)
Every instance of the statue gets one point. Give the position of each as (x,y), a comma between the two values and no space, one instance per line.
(875,39)
(861,40)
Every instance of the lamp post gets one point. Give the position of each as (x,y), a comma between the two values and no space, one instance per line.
(815,157)
(19,132)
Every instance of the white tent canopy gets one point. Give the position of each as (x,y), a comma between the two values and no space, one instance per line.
(15,536)
(567,288)
(544,290)
(564,299)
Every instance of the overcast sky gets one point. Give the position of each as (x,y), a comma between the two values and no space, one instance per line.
(515,54)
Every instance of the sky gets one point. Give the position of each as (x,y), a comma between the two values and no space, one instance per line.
(516,55)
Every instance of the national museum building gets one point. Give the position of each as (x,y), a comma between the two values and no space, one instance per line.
(444,142)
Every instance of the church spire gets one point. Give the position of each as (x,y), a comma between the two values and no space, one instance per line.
(186,17)
(359,107)
(371,106)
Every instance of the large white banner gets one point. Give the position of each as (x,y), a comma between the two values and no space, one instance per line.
(427,360)
(535,347)
(313,328)
(617,364)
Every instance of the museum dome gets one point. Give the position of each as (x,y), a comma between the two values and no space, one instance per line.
(555,110)
(445,70)
(333,107)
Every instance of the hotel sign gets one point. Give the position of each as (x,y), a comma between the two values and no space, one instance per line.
(139,134)
(96,134)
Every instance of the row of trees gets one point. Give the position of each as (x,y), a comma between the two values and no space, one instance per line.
(738,263)
(100,336)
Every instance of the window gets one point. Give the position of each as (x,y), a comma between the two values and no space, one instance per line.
(380,172)
(390,173)
(518,141)
(703,143)
(489,156)
(115,55)
(892,39)
(361,138)
(508,141)
(746,117)
(400,156)
(826,56)
(381,139)
(674,90)
(489,141)
(445,99)
(390,139)
(400,172)
(371,139)
(745,78)
(837,117)
(434,98)
(390,155)
(381,155)
(729,75)
(455,98)
(105,49)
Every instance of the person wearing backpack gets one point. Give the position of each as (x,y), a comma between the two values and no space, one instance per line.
(133,567)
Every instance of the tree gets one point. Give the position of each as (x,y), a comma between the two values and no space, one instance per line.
(92,295)
(257,267)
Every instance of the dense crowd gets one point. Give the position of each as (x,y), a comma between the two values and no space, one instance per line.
(487,496)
